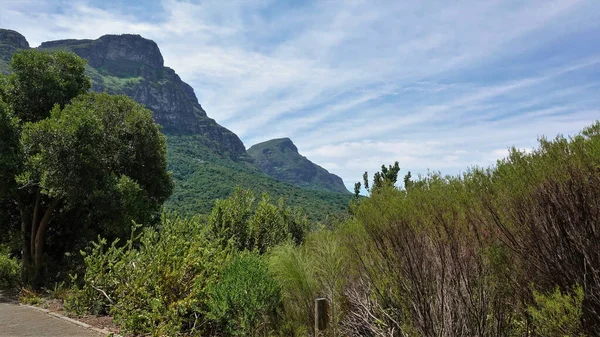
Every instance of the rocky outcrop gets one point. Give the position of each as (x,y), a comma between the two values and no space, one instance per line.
(132,65)
(279,158)
(13,39)
(10,43)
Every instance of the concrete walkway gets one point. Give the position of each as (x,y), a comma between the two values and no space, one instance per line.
(17,321)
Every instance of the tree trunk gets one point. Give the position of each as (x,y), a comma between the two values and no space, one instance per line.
(39,244)
(26,251)
(34,223)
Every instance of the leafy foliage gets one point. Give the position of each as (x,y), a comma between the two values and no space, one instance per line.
(9,270)
(9,150)
(155,284)
(81,162)
(557,313)
(52,78)
(245,302)
(98,140)
(250,226)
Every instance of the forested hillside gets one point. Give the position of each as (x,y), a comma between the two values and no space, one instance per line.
(203,175)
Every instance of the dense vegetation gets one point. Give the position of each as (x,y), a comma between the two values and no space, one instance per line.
(511,250)
(197,167)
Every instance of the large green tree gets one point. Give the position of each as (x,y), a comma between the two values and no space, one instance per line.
(96,156)
(39,80)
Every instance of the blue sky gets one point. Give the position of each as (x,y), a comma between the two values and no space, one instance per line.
(438,85)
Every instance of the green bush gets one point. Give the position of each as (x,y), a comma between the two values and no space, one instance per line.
(156,283)
(557,313)
(246,301)
(247,225)
(9,271)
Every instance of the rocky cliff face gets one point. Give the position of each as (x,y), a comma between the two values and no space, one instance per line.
(279,158)
(10,42)
(14,39)
(132,65)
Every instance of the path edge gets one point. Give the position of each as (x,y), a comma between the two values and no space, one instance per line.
(71,320)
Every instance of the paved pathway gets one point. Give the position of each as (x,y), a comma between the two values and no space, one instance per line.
(21,321)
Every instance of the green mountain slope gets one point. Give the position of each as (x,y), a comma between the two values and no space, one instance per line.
(279,158)
(203,175)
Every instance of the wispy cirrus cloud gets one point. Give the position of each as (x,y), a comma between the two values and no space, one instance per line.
(357,84)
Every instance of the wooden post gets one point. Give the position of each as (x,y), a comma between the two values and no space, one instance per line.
(321,315)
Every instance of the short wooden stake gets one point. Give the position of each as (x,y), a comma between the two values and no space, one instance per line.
(321,315)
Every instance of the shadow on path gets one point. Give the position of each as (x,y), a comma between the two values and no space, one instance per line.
(9,296)
(20,321)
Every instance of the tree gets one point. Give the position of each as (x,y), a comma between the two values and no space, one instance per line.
(39,80)
(9,159)
(387,177)
(98,156)
(98,144)
(408,184)
(9,150)
(357,187)
(240,221)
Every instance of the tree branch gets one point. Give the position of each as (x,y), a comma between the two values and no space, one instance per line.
(105,295)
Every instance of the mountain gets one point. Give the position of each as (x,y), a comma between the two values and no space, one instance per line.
(279,158)
(133,66)
(207,160)
(10,42)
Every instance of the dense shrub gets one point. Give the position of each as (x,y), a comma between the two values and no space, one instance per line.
(247,225)
(455,255)
(557,313)
(156,283)
(246,301)
(427,264)
(10,270)
(192,276)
